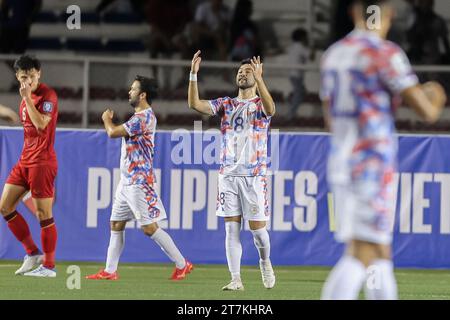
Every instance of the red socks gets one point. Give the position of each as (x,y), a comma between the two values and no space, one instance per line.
(19,227)
(48,238)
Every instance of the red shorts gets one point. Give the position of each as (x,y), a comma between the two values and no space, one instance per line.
(40,180)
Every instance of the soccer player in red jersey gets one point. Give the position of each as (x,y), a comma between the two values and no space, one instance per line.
(36,169)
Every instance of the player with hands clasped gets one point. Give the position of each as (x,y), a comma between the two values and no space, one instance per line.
(136,196)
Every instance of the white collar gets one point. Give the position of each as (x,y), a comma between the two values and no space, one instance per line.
(357,32)
(244,100)
(143,111)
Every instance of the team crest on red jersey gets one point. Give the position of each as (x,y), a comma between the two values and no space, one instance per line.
(47,106)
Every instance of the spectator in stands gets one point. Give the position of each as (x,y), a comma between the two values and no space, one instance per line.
(210,31)
(427,35)
(168,20)
(244,35)
(403,21)
(16,17)
(298,53)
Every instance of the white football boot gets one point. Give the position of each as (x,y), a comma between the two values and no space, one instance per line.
(41,271)
(234,285)
(29,263)
(267,274)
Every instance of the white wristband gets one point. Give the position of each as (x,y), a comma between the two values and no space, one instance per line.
(192,77)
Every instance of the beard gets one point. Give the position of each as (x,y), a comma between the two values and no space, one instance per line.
(245,85)
(134,103)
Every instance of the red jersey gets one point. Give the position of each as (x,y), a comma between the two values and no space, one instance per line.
(38,147)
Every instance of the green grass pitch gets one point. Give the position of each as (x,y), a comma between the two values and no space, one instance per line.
(150,281)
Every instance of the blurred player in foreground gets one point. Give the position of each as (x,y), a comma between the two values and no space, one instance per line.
(136,197)
(361,75)
(9,115)
(35,171)
(242,191)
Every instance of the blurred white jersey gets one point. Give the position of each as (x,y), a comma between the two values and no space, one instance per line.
(361,75)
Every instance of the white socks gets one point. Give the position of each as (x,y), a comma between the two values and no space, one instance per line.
(167,245)
(381,284)
(116,244)
(233,248)
(345,280)
(349,275)
(262,243)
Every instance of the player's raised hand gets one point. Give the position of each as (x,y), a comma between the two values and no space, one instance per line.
(107,115)
(257,68)
(195,66)
(25,90)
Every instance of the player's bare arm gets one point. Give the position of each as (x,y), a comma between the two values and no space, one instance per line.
(112,130)
(39,120)
(194,100)
(8,114)
(426,100)
(264,94)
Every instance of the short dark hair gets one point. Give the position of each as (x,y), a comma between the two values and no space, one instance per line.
(148,86)
(299,35)
(368,3)
(246,61)
(27,62)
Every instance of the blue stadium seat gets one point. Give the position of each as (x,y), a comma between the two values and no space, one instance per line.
(125,18)
(84,45)
(43,43)
(86,17)
(47,17)
(90,17)
(125,46)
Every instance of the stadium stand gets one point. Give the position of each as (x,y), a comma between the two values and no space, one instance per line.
(122,33)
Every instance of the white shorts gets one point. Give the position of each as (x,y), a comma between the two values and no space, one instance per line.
(365,212)
(139,202)
(243,196)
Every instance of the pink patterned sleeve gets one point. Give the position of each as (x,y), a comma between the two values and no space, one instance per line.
(395,70)
(217,105)
(135,126)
